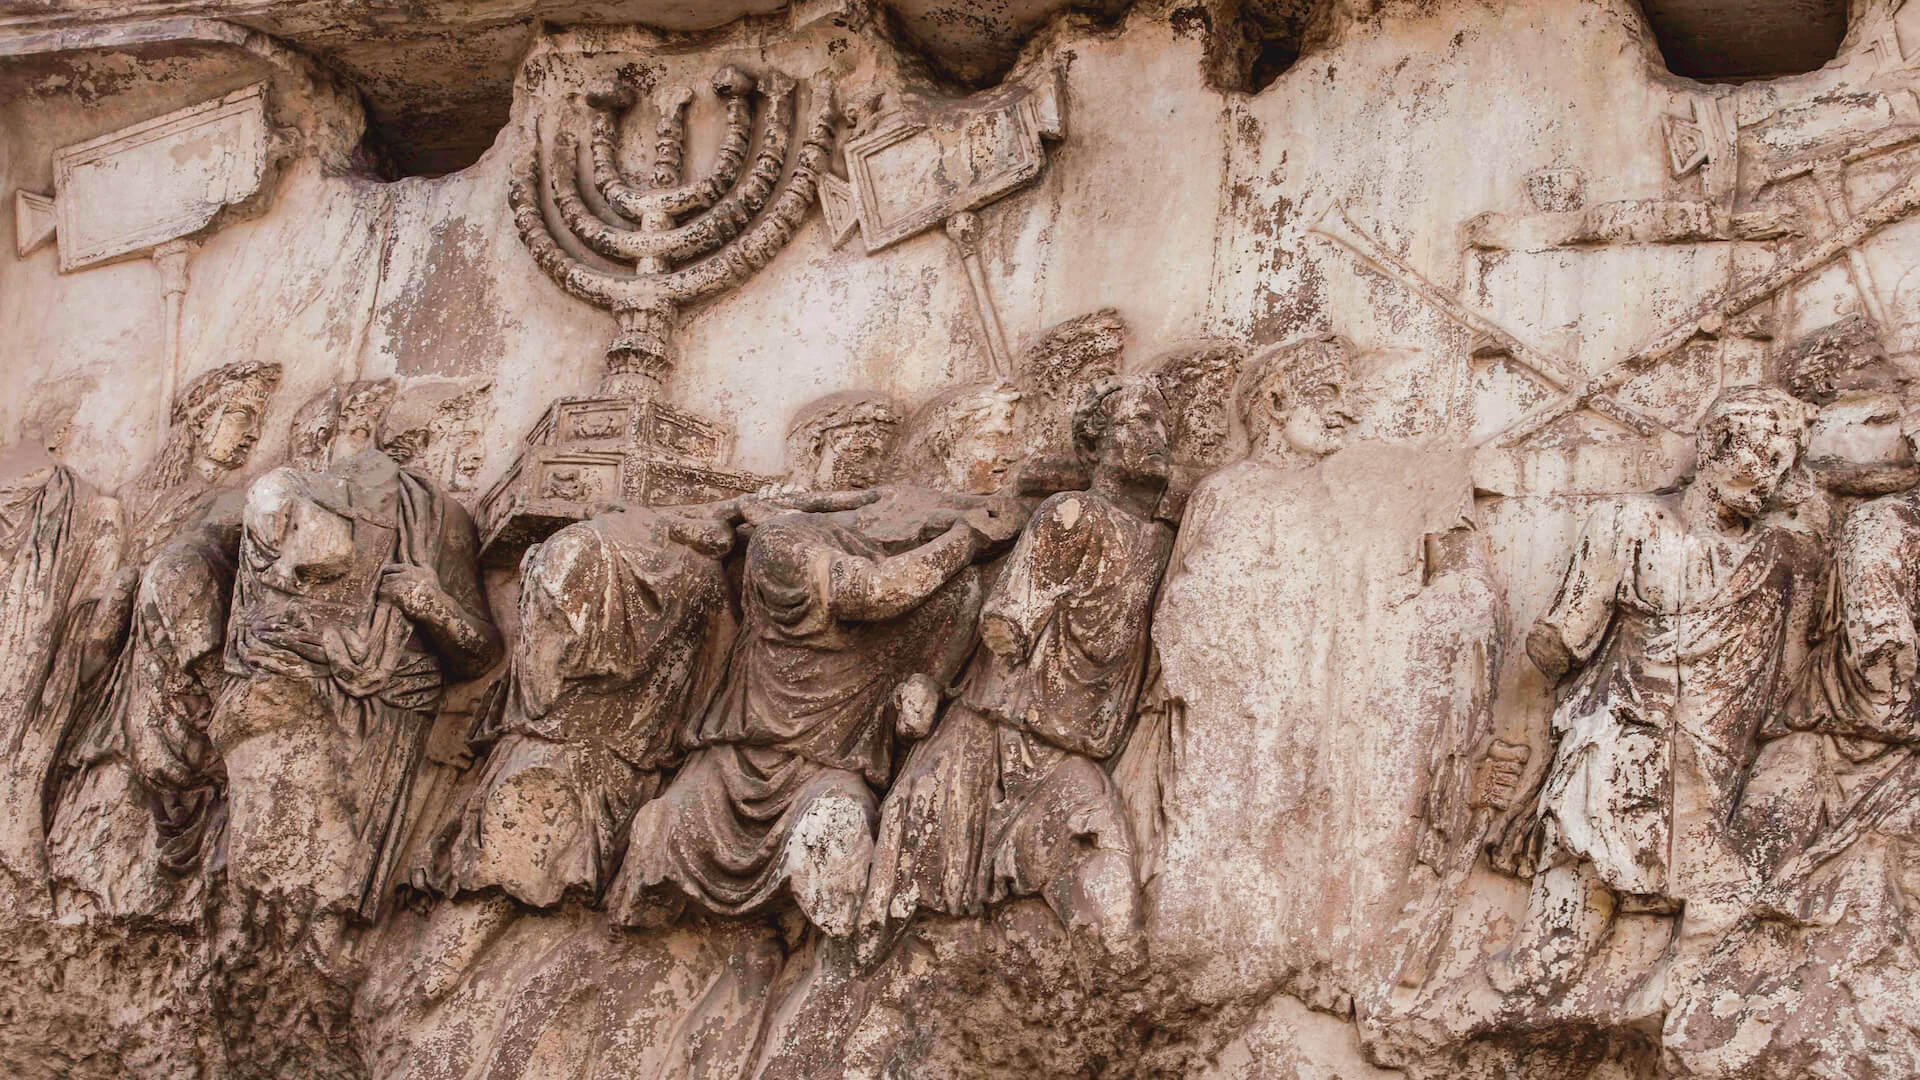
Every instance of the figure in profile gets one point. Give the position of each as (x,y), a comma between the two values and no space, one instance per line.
(358,596)
(1674,628)
(139,793)
(60,543)
(1327,636)
(776,801)
(1010,796)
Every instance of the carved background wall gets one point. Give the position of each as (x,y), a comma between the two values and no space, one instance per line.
(1460,191)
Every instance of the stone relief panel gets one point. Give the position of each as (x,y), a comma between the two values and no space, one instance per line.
(1462,626)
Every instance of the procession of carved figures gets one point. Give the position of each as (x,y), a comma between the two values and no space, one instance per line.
(1151,664)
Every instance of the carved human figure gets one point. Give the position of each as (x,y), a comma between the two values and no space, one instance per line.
(1010,796)
(140,791)
(1828,814)
(1326,637)
(358,595)
(59,548)
(625,620)
(1055,370)
(776,800)
(446,427)
(1670,635)
(839,442)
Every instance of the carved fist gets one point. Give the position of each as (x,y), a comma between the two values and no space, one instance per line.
(915,701)
(1499,774)
(413,589)
(1549,651)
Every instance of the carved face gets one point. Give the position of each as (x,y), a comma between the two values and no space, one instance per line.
(1743,459)
(985,446)
(312,437)
(455,452)
(359,420)
(227,437)
(852,455)
(1317,418)
(1134,445)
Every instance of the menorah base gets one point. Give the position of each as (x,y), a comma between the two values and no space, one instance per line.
(589,453)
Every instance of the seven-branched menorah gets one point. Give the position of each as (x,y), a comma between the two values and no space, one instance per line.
(686,240)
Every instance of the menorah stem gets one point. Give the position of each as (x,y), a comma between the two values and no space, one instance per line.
(642,355)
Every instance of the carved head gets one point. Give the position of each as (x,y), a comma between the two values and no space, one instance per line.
(222,409)
(1294,398)
(1056,369)
(357,423)
(964,440)
(1197,381)
(434,425)
(1748,443)
(1845,356)
(310,445)
(840,442)
(1120,427)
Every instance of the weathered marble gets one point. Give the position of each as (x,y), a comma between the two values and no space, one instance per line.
(828,539)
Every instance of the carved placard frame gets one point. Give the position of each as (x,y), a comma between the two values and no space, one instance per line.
(236,126)
(1026,161)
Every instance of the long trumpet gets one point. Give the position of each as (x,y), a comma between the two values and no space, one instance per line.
(1335,225)
(1898,204)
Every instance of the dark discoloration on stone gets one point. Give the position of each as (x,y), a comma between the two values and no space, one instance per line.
(446,320)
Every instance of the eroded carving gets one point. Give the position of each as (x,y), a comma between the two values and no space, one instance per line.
(840,607)
(1672,631)
(357,594)
(60,540)
(1009,797)
(140,802)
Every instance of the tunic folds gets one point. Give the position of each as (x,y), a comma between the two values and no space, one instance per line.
(1684,643)
(800,719)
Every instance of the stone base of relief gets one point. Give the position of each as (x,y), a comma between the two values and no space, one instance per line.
(1239,541)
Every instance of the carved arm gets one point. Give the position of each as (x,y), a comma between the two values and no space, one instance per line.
(872,591)
(736,262)
(467,640)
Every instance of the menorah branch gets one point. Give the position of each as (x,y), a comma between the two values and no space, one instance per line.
(727,239)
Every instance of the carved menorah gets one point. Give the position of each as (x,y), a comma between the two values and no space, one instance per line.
(686,240)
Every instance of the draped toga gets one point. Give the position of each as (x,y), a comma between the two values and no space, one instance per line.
(59,546)
(623,634)
(326,721)
(799,717)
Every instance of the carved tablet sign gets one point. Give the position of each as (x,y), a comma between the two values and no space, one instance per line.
(915,171)
(165,178)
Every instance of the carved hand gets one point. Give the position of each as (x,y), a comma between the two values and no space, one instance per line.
(915,701)
(1498,779)
(291,632)
(413,589)
(1548,651)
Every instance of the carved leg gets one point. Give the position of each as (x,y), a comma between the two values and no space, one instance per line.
(1099,904)
(827,856)
(1568,913)
(808,1029)
(457,934)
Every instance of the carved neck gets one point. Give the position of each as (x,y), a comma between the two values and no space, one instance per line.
(208,469)
(1136,498)
(24,458)
(1271,446)
(1702,509)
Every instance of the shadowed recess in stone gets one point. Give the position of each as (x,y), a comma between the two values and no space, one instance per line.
(1746,39)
